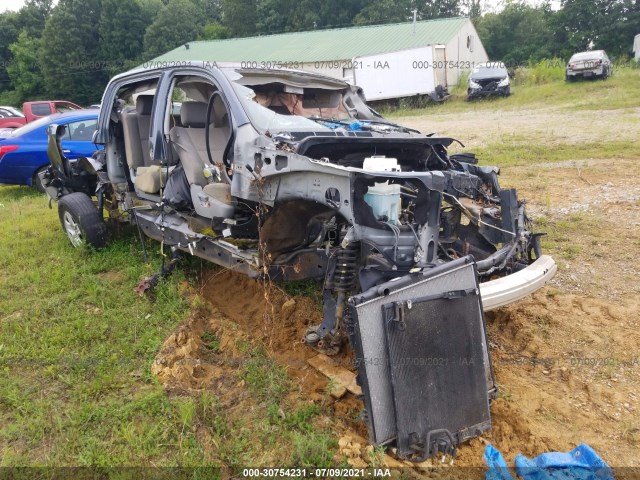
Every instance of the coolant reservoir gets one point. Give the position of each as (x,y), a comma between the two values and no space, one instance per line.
(380,163)
(384,198)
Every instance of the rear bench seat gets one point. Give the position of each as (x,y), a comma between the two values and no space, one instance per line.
(148,175)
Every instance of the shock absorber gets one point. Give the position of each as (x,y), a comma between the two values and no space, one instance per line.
(344,277)
(326,337)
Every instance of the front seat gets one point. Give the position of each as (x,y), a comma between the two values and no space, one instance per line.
(189,142)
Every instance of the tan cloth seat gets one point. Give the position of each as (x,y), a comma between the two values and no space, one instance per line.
(150,179)
(135,126)
(149,176)
(188,141)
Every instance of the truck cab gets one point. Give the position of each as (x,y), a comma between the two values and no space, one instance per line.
(33,110)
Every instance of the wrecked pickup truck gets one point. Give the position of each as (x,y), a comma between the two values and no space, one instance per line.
(290,175)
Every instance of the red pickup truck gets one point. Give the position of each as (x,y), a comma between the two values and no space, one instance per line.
(10,117)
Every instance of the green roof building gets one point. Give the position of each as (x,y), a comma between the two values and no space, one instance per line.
(454,44)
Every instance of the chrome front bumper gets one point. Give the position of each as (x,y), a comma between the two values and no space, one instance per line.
(509,289)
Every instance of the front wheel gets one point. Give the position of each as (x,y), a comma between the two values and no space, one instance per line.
(81,221)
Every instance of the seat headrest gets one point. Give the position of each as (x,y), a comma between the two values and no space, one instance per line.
(144,104)
(193,114)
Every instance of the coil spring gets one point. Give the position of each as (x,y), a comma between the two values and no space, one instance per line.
(345,275)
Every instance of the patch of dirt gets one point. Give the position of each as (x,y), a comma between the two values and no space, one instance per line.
(566,365)
(480,127)
(264,311)
(186,364)
(566,359)
(591,212)
(569,372)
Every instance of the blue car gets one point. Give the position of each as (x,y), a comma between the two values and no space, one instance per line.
(23,151)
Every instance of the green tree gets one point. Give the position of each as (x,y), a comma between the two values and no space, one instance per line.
(33,15)
(24,69)
(211,9)
(8,35)
(240,17)
(329,13)
(214,31)
(122,26)
(71,50)
(305,14)
(472,8)
(599,24)
(518,33)
(149,9)
(269,16)
(438,9)
(177,22)
(385,11)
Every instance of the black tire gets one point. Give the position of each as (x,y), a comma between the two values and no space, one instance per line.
(36,182)
(81,221)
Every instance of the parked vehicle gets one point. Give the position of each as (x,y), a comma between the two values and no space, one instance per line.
(487,79)
(10,112)
(23,151)
(591,64)
(290,175)
(33,110)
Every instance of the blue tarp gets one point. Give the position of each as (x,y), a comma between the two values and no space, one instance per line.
(581,463)
(498,469)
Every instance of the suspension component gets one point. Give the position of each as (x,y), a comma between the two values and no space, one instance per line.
(344,277)
(327,337)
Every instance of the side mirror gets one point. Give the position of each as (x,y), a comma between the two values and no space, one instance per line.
(94,137)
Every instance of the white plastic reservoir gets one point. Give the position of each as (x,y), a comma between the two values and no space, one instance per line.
(384,198)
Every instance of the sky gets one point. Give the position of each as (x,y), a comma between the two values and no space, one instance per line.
(10,5)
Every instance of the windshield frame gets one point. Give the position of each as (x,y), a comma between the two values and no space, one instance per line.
(265,120)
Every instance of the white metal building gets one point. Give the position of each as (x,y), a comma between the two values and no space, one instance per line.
(454,41)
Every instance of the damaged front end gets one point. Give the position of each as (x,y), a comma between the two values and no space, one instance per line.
(413,239)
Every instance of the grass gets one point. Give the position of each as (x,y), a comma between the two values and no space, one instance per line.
(514,150)
(76,347)
(534,88)
(561,234)
(303,288)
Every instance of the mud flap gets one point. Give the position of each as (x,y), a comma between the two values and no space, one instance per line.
(423,360)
